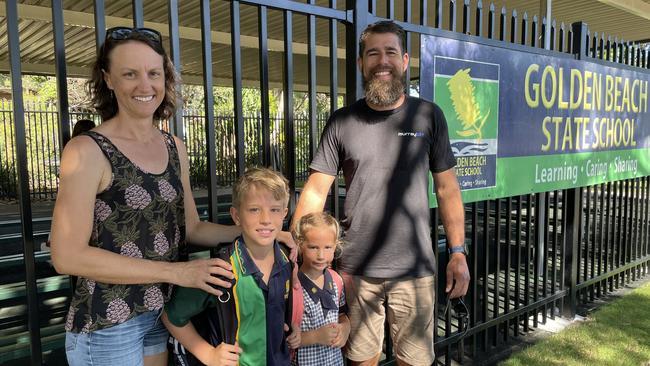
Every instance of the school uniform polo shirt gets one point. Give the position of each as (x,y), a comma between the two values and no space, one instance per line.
(275,293)
(260,333)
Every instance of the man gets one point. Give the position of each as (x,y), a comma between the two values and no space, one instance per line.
(386,144)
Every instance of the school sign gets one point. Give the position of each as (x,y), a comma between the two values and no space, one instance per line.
(523,120)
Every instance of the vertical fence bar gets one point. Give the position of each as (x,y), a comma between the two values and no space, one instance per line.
(524,29)
(587,241)
(235,31)
(601,46)
(633,223)
(563,258)
(263,35)
(502,23)
(27,231)
(334,89)
(475,269)
(534,37)
(518,244)
(491,25)
(646,224)
(353,84)
(497,270)
(466,17)
(423,12)
(508,242)
(562,42)
(537,265)
(138,13)
(60,73)
(545,200)
(479,18)
(622,227)
(100,24)
(628,223)
(176,123)
(572,213)
(407,43)
(592,241)
(206,45)
(553,37)
(554,247)
(290,156)
(438,14)
(529,243)
(619,231)
(486,271)
(452,15)
(311,67)
(601,233)
(606,234)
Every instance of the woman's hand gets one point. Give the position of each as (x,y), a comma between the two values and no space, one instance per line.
(202,273)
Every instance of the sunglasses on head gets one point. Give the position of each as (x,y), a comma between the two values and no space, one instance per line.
(123,33)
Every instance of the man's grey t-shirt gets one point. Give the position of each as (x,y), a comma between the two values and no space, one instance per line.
(385,157)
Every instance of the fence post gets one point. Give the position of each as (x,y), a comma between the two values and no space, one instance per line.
(358,18)
(574,205)
(571,247)
(579,32)
(27,230)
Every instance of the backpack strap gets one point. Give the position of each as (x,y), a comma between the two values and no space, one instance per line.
(338,280)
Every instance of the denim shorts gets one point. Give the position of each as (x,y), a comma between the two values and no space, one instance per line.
(123,344)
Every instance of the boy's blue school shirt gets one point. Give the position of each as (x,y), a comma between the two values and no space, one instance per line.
(276,293)
(187,302)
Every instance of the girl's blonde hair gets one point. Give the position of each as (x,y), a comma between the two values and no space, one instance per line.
(317,220)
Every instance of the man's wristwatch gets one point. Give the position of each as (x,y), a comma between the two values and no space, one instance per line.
(457,249)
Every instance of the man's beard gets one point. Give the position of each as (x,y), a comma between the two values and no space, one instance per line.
(384,93)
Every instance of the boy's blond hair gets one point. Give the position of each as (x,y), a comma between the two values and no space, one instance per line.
(317,220)
(265,178)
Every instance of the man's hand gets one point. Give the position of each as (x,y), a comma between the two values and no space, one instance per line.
(293,339)
(225,355)
(286,238)
(457,276)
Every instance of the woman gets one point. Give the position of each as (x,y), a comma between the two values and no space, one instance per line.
(120,215)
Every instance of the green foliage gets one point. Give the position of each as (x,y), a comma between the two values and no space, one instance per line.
(8,182)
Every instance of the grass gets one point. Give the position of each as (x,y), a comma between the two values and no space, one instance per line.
(617,334)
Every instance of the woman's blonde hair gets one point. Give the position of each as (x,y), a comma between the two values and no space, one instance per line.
(317,220)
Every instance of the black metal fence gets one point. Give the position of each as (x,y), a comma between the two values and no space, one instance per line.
(43,142)
(532,257)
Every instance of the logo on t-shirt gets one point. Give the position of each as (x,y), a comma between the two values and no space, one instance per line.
(410,134)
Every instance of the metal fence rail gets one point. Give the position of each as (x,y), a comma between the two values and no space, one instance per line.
(43,146)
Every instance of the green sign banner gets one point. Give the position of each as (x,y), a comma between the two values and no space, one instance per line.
(534,121)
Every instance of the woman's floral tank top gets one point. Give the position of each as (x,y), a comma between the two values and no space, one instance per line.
(139,215)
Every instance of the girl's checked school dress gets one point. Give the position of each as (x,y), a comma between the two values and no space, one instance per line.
(321,307)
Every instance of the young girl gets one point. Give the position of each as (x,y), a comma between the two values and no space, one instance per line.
(325,326)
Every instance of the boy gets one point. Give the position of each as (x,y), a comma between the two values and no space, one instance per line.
(262,279)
